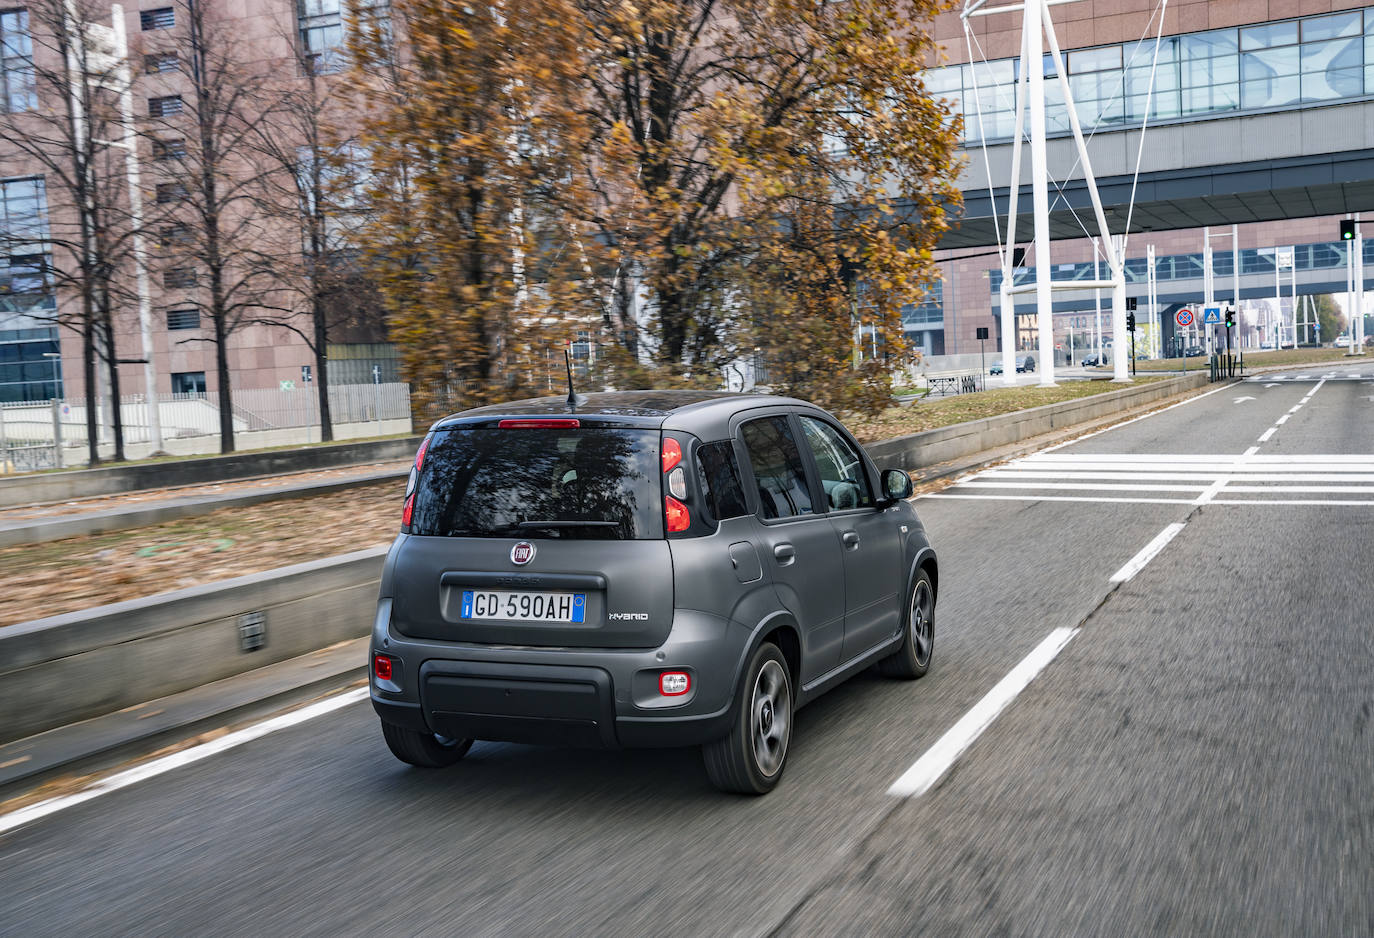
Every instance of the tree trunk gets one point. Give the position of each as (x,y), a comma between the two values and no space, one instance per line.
(322,372)
(88,376)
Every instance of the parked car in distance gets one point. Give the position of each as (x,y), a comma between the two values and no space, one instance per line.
(1342,341)
(1025,363)
(1090,361)
(643,568)
(1193,351)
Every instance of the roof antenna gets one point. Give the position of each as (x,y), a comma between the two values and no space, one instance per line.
(573,397)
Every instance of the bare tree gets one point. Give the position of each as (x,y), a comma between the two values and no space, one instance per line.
(66,126)
(210,219)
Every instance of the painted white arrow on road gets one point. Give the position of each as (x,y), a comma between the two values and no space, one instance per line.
(1272,384)
(1240,400)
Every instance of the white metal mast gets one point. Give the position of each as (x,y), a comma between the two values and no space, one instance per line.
(1036,29)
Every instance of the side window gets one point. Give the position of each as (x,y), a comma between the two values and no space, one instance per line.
(777,465)
(841,467)
(720,480)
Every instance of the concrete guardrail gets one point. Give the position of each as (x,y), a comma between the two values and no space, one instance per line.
(41,487)
(70,667)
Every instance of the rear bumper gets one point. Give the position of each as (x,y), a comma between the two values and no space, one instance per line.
(597,698)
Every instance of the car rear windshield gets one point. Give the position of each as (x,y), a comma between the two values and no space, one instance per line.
(589,483)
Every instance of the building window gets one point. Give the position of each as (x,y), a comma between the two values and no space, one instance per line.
(322,29)
(183,318)
(25,286)
(188,382)
(16,63)
(30,365)
(164,107)
(159,62)
(175,234)
(169,150)
(179,278)
(170,192)
(161,18)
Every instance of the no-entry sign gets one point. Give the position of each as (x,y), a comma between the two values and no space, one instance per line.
(1184,317)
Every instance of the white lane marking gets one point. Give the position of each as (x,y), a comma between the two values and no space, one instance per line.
(1295,408)
(176,760)
(1089,486)
(1215,488)
(1264,437)
(1147,553)
(1243,398)
(1064,498)
(1258,474)
(938,759)
(1301,488)
(1172,458)
(1291,501)
(1282,420)
(1252,451)
(1272,384)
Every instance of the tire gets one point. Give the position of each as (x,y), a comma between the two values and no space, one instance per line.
(425,750)
(751,758)
(912,659)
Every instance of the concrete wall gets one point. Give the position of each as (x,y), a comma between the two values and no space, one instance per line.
(937,446)
(66,668)
(82,483)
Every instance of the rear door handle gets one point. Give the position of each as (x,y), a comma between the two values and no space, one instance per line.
(851,539)
(785,553)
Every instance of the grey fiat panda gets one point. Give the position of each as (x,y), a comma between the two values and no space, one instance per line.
(643,568)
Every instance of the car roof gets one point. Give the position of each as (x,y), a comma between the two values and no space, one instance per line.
(700,412)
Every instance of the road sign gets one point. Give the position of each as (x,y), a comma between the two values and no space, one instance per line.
(288,385)
(305,374)
(1212,314)
(1184,317)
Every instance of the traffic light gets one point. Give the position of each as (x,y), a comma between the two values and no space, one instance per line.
(1230,319)
(1347,229)
(1130,322)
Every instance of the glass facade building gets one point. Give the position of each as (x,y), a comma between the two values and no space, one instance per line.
(1269,66)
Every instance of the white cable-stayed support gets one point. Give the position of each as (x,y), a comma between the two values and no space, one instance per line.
(1038,27)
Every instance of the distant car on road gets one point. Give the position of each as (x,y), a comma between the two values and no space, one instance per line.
(643,568)
(1090,361)
(1025,362)
(1342,341)
(1193,351)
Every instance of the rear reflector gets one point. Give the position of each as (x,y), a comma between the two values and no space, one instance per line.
(674,683)
(672,453)
(679,519)
(381,668)
(540,424)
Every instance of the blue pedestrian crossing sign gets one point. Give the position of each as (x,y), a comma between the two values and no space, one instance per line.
(1211,314)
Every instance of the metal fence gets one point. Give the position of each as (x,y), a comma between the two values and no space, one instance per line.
(28,430)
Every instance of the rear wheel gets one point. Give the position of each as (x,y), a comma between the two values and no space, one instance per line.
(912,659)
(750,759)
(426,750)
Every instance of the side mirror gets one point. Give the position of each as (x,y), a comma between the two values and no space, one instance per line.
(896,485)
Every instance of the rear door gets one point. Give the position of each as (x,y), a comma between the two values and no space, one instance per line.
(795,538)
(537,535)
(869,539)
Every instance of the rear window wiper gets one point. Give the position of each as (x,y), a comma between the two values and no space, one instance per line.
(568,524)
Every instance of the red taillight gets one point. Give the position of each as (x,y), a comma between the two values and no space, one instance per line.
(409,509)
(674,683)
(414,480)
(679,519)
(420,456)
(381,667)
(672,453)
(543,423)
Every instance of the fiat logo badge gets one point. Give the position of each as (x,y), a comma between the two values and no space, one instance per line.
(522,553)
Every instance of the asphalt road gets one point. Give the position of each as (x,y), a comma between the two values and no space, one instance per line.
(1198,759)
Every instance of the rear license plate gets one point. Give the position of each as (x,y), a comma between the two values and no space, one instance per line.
(524,606)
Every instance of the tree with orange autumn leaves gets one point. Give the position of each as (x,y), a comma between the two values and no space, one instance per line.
(709,182)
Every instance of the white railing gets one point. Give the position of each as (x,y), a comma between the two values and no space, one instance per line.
(185,416)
